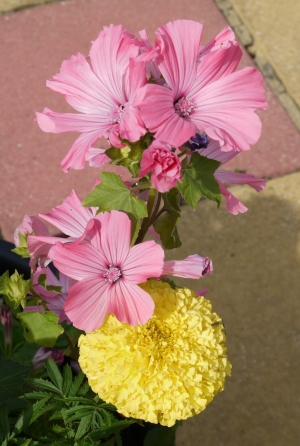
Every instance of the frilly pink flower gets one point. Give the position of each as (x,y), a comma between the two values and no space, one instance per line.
(164,165)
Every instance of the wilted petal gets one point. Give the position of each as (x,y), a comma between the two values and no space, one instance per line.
(233,205)
(240,178)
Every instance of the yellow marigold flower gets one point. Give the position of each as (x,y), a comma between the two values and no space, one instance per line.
(166,370)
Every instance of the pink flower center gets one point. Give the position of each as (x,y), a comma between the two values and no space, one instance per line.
(116,114)
(112,274)
(184,107)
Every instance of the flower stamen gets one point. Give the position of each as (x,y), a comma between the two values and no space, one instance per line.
(112,274)
(184,107)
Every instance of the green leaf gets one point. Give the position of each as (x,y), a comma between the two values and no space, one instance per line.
(44,384)
(12,374)
(198,179)
(2,279)
(41,328)
(22,249)
(53,288)
(161,435)
(115,427)
(165,225)
(76,384)
(83,427)
(54,373)
(112,194)
(67,379)
(16,289)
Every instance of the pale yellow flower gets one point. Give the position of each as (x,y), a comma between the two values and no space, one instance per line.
(166,370)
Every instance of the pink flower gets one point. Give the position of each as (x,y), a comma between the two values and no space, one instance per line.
(109,272)
(193,267)
(70,218)
(29,225)
(44,353)
(103,94)
(163,164)
(208,96)
(55,301)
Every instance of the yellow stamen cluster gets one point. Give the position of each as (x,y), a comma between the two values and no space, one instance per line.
(166,370)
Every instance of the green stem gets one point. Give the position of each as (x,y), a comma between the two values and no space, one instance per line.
(146,221)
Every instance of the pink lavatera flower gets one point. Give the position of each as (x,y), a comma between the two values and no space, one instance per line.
(103,93)
(164,165)
(109,272)
(54,301)
(70,218)
(208,96)
(193,267)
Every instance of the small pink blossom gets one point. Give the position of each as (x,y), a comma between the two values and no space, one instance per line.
(164,165)
(109,272)
(193,267)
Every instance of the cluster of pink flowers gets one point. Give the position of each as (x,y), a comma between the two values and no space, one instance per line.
(175,89)
(187,98)
(99,271)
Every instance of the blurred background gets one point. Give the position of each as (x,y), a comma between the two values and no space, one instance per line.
(255,286)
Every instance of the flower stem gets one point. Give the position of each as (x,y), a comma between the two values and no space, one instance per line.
(146,221)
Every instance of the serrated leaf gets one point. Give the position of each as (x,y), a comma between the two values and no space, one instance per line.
(165,225)
(83,427)
(41,328)
(67,379)
(112,194)
(115,427)
(54,373)
(76,384)
(12,374)
(35,395)
(198,179)
(44,384)
(84,389)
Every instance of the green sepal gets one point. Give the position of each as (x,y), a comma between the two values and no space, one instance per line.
(165,225)
(15,288)
(41,328)
(22,249)
(53,288)
(112,194)
(198,180)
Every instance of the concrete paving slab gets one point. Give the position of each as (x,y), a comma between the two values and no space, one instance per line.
(34,42)
(255,287)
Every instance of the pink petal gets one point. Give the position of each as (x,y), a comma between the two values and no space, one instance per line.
(70,217)
(131,126)
(233,205)
(79,261)
(76,157)
(214,151)
(130,303)
(30,224)
(241,178)
(157,110)
(87,303)
(115,236)
(81,87)
(179,42)
(144,260)
(39,247)
(224,39)
(201,292)
(193,267)
(96,157)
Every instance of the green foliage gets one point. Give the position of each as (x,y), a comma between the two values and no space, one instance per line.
(12,374)
(22,249)
(15,288)
(112,194)
(165,225)
(64,411)
(198,180)
(128,156)
(42,328)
